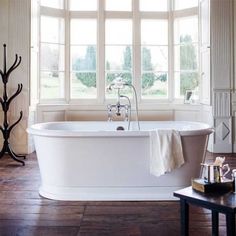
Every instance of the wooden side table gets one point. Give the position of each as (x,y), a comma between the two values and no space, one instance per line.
(216,202)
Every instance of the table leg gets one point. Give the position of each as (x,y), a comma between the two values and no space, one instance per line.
(215,223)
(230,224)
(184,211)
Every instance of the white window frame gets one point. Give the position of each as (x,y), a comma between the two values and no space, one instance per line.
(101,15)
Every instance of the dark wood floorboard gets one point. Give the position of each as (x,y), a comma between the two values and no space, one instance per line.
(23,212)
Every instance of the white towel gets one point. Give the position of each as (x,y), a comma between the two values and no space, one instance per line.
(166,151)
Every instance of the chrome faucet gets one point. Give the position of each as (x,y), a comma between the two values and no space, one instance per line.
(118,108)
(119,84)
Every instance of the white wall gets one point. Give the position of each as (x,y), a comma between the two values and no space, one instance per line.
(222,73)
(234,84)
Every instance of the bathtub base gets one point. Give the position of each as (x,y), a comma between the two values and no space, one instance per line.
(109,193)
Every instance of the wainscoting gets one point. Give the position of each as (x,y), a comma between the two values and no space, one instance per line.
(23,212)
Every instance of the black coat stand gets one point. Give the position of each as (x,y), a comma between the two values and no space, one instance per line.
(5,102)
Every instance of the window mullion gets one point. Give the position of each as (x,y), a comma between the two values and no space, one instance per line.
(47,11)
(171,82)
(137,49)
(101,52)
(67,52)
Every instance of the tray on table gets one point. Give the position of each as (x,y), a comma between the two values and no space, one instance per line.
(201,185)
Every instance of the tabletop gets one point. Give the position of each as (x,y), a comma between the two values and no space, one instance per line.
(221,201)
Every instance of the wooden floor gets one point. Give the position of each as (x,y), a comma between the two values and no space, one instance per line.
(24,212)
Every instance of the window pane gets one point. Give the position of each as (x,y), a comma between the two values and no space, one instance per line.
(82,5)
(52,30)
(186,57)
(83,77)
(119,32)
(154,32)
(186,30)
(53,3)
(83,85)
(83,58)
(183,4)
(122,59)
(154,85)
(186,81)
(118,5)
(153,5)
(155,58)
(83,31)
(52,57)
(51,85)
(118,59)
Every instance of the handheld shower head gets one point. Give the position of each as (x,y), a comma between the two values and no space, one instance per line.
(117,83)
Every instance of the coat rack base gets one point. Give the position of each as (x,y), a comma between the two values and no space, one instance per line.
(6,149)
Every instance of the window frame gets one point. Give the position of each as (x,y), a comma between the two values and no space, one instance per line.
(101,15)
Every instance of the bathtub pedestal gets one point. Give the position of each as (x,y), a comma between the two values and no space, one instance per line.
(108,193)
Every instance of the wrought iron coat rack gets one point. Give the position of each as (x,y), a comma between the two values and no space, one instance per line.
(5,102)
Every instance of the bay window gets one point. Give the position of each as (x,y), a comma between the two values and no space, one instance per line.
(85,45)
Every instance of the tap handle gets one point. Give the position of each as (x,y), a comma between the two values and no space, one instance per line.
(109,112)
(127,107)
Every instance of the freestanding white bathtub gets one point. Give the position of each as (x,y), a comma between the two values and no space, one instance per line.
(94,161)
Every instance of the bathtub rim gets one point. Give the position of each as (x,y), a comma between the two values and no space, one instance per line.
(38,130)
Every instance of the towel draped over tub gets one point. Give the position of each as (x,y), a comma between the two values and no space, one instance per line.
(166,151)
